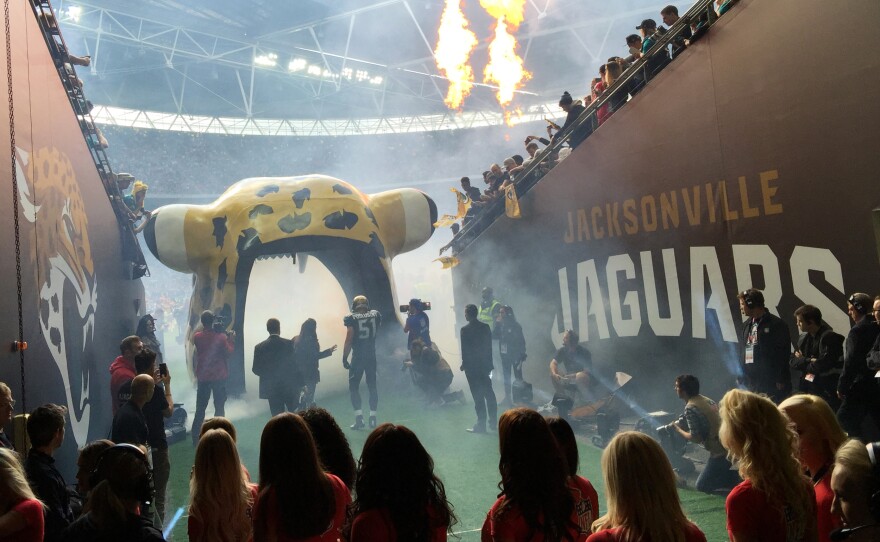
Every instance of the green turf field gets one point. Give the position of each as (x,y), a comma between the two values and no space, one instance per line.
(467,463)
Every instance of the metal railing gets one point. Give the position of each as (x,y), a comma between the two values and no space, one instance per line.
(545,159)
(58,49)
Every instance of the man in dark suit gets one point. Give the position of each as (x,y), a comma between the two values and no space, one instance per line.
(766,348)
(857,387)
(280,382)
(476,362)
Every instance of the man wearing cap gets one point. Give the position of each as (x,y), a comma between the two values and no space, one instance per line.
(573,110)
(766,348)
(648,30)
(856,387)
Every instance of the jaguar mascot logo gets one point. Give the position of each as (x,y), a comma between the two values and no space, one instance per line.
(355,235)
(62,258)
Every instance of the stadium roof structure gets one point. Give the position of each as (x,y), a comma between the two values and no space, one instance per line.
(303,63)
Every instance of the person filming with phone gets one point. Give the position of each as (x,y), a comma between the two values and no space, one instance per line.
(159,407)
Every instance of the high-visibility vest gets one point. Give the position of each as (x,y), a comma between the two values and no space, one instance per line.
(486,313)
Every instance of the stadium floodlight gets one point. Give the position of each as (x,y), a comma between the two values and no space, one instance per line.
(267,60)
(361,75)
(74,13)
(297,65)
(314,70)
(376,80)
(347,73)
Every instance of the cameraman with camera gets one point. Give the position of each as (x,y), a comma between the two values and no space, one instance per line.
(418,326)
(213,344)
(699,424)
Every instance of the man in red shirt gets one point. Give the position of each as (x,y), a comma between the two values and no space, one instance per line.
(122,368)
(212,348)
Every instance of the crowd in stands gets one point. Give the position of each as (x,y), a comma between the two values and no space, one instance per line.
(606,93)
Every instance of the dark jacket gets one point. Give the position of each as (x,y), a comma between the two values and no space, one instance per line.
(771,354)
(476,347)
(578,134)
(874,355)
(49,486)
(306,355)
(130,425)
(858,343)
(511,342)
(825,349)
(273,363)
(137,529)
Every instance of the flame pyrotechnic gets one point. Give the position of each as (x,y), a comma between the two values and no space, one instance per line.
(453,53)
(505,66)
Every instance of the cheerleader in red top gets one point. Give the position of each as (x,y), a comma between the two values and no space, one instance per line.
(775,502)
(297,500)
(219,422)
(586,500)
(641,496)
(21,514)
(398,495)
(221,499)
(819,437)
(536,501)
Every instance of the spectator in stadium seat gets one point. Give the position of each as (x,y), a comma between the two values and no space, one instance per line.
(657,61)
(613,71)
(669,14)
(473,193)
(509,165)
(573,110)
(634,44)
(722,6)
(45,428)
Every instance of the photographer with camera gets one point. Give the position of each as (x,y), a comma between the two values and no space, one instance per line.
(699,424)
(418,326)
(431,373)
(213,344)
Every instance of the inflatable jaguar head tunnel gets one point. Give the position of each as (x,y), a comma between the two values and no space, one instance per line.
(353,234)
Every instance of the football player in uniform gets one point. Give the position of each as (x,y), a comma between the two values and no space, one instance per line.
(360,342)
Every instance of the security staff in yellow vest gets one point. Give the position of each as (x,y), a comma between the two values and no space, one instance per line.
(489,308)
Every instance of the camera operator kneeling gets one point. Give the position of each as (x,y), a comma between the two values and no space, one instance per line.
(431,373)
(700,423)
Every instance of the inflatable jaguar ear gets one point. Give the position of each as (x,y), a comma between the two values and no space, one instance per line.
(166,239)
(406,218)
